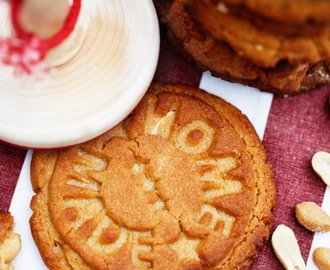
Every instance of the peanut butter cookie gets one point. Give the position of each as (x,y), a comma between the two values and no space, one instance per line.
(181,183)
(237,45)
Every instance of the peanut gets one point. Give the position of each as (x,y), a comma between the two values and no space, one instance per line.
(321,165)
(312,217)
(287,249)
(321,258)
(10,247)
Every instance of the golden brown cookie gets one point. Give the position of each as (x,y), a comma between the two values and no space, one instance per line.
(256,43)
(209,53)
(181,183)
(285,25)
(288,11)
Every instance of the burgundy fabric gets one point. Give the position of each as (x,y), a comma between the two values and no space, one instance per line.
(11,161)
(297,127)
(173,68)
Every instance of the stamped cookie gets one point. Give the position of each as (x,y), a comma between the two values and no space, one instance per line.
(181,183)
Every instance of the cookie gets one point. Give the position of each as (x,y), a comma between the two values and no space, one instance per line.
(6,225)
(217,56)
(181,183)
(288,11)
(259,45)
(285,25)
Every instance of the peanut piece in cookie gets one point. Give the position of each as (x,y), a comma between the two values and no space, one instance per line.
(10,242)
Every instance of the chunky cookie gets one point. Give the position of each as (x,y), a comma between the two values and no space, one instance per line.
(181,183)
(287,11)
(259,45)
(213,37)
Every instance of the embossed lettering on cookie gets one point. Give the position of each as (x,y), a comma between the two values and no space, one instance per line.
(181,183)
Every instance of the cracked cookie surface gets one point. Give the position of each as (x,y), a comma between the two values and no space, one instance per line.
(181,183)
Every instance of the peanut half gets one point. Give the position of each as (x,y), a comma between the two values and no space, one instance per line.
(312,217)
(287,249)
(9,248)
(321,165)
(321,258)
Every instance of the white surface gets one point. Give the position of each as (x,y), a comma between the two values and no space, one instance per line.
(95,90)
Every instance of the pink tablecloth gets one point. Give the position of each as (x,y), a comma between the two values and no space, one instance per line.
(297,127)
